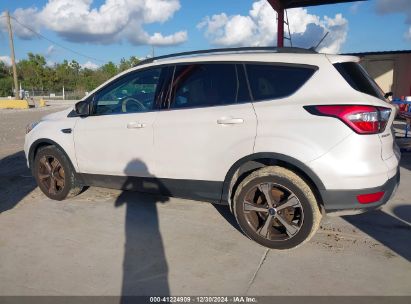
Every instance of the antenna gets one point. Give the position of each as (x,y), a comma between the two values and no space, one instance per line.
(318,44)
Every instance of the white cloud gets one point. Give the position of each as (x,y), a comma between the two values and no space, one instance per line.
(6,60)
(27,16)
(113,21)
(50,63)
(396,6)
(338,28)
(90,65)
(228,31)
(259,28)
(355,7)
(408,34)
(157,39)
(50,50)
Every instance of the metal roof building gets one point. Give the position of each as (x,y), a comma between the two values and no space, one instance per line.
(390,69)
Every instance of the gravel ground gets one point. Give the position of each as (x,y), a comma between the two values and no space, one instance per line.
(108,242)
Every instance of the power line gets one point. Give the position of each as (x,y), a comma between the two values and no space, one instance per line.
(54,42)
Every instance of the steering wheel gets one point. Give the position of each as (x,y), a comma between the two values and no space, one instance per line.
(130,104)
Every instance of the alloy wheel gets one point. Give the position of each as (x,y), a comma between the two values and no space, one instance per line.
(51,174)
(273,212)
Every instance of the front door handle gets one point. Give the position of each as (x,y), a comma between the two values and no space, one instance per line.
(135,125)
(230,121)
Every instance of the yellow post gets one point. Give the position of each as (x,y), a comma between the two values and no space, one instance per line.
(42,103)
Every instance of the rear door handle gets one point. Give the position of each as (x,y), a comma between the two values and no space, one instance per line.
(135,125)
(230,121)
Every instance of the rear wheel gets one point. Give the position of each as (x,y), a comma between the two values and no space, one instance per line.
(276,208)
(54,174)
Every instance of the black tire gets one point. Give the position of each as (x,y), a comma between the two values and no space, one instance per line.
(61,175)
(289,226)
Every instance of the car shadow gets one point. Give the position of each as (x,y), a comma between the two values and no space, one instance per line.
(225,212)
(16,181)
(403,212)
(406,160)
(386,229)
(145,269)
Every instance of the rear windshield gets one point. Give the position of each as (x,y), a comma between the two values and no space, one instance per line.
(359,79)
(276,81)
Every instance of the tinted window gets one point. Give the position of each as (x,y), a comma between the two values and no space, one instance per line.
(276,81)
(358,78)
(200,85)
(131,94)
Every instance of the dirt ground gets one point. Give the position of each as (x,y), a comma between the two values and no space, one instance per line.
(107,242)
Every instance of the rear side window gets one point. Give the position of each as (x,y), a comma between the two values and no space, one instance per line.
(203,85)
(276,81)
(359,79)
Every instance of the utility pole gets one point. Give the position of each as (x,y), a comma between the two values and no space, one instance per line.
(13,59)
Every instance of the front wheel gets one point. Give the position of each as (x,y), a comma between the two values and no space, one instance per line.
(54,174)
(276,208)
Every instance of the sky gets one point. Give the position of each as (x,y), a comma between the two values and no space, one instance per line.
(94,32)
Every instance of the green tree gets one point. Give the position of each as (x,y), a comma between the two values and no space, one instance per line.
(34,74)
(6,80)
(31,71)
(109,69)
(127,64)
(134,61)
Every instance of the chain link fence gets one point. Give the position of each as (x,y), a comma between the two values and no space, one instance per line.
(54,95)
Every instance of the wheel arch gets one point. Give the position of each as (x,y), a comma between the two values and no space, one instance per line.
(43,142)
(244,166)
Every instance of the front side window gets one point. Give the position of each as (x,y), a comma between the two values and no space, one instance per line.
(276,81)
(133,93)
(202,85)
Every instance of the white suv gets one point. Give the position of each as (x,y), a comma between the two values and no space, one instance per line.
(281,135)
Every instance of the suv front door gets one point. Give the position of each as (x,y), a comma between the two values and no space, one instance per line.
(117,138)
(207,124)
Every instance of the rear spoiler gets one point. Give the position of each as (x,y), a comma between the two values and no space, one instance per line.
(342,58)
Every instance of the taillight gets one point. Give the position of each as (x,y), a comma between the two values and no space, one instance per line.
(362,119)
(370,197)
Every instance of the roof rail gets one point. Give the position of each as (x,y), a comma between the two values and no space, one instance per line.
(231,50)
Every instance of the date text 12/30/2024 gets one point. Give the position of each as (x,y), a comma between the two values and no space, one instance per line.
(204,299)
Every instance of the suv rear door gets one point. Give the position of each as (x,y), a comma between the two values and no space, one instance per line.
(206,124)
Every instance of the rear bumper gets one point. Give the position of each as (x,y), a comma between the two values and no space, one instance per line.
(346,200)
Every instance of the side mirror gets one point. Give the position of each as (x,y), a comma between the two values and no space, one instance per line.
(83,108)
(388,94)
